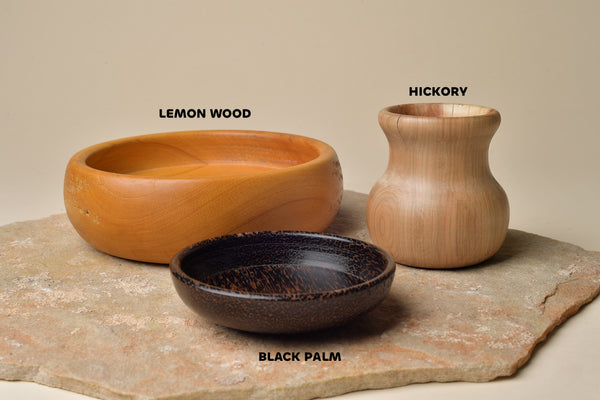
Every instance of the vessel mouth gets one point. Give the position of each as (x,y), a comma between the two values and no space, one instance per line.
(441,110)
(202,154)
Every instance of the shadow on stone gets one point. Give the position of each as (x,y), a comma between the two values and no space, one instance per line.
(382,318)
(513,247)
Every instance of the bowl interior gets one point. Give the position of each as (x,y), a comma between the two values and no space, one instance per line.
(441,110)
(283,263)
(203,154)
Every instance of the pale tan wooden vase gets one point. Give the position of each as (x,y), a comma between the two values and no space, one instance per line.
(437,204)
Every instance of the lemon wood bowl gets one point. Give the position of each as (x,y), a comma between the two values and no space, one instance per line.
(147,197)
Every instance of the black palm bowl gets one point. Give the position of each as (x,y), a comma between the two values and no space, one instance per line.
(282,282)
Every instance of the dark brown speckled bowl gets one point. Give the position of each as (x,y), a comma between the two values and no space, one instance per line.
(282,282)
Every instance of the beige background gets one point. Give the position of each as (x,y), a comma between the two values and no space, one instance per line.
(74,73)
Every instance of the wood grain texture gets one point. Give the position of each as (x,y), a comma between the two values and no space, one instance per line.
(282,282)
(437,204)
(147,197)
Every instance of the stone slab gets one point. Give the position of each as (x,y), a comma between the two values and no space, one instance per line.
(78,319)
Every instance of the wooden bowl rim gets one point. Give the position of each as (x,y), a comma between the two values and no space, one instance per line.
(79,160)
(487,112)
(387,273)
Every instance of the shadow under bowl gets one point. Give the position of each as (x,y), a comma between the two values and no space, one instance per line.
(282,282)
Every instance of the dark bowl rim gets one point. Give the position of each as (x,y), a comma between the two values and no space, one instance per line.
(177,272)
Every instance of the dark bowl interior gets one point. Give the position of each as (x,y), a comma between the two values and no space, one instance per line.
(282,282)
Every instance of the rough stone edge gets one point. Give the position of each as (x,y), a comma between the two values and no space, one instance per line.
(308,390)
(348,384)
(562,318)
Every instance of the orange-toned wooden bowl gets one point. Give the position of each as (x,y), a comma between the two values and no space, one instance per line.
(145,198)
